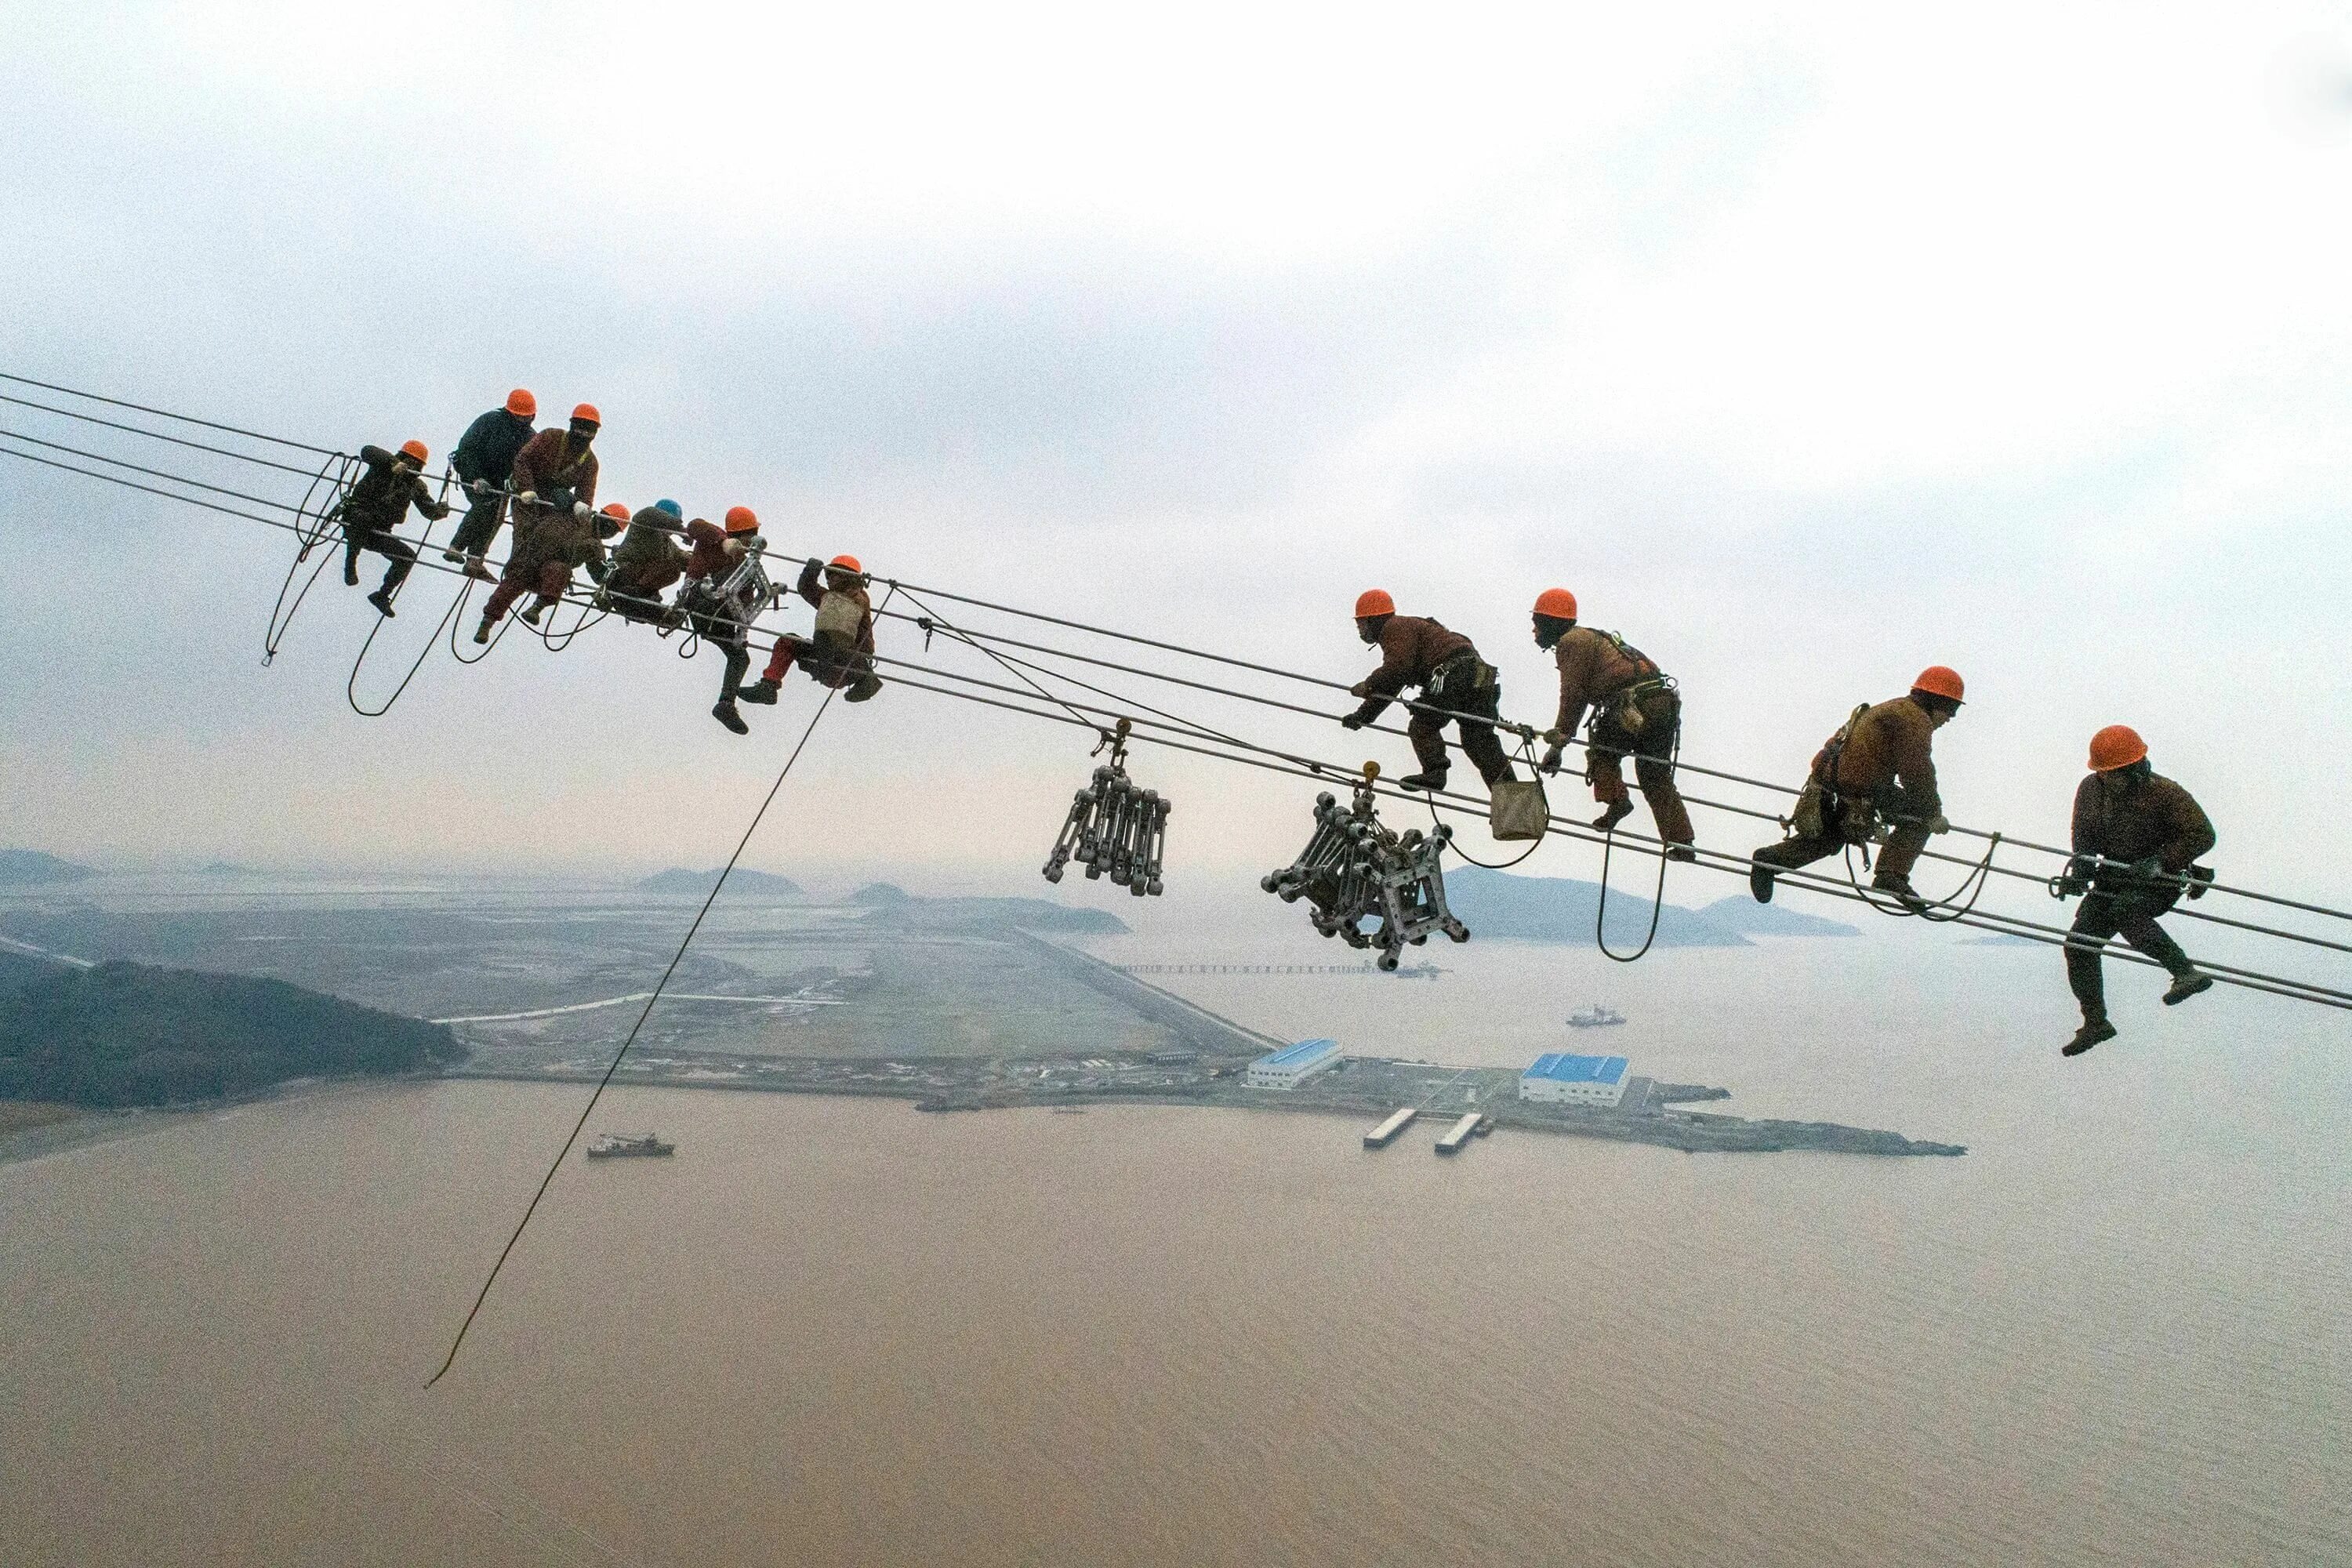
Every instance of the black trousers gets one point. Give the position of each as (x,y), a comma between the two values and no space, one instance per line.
(1480,709)
(2130,913)
(480,526)
(726,637)
(403,554)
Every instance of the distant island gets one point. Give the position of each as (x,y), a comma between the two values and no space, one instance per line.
(126,1034)
(897,909)
(1496,904)
(30,867)
(1742,913)
(740,880)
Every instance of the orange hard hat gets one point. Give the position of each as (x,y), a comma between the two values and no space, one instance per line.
(742,520)
(519,401)
(2117,746)
(415,450)
(1939,681)
(1557,603)
(614,508)
(847,563)
(1374,602)
(585,414)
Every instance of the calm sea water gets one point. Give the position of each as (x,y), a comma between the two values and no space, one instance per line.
(840,1331)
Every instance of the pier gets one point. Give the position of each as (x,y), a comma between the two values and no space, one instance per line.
(1383,1135)
(1461,1132)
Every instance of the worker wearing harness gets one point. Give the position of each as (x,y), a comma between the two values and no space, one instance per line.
(725,588)
(2137,836)
(484,460)
(644,564)
(1417,651)
(1636,712)
(1876,770)
(841,653)
(378,502)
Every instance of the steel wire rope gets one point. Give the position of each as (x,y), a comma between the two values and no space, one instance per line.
(2217,887)
(433,639)
(167,413)
(646,1012)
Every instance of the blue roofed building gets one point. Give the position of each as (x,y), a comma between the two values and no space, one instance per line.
(1289,1067)
(1565,1078)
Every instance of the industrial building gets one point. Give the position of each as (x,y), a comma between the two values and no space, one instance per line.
(1563,1079)
(1290,1067)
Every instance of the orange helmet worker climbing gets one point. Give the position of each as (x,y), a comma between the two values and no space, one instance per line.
(415,452)
(1940,680)
(846,563)
(1374,602)
(1556,604)
(742,519)
(2117,746)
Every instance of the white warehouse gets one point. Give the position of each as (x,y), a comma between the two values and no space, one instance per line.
(1563,1079)
(1291,1066)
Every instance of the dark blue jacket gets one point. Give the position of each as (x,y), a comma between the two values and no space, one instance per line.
(487,452)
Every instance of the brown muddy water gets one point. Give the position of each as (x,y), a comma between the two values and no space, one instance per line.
(843,1331)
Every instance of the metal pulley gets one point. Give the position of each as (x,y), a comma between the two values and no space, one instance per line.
(1114,829)
(1354,868)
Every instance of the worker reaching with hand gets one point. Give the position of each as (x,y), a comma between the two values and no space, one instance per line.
(545,555)
(1455,685)
(644,564)
(841,653)
(378,502)
(724,590)
(1877,770)
(555,474)
(1636,712)
(484,462)
(2137,836)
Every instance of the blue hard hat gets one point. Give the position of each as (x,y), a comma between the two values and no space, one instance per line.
(670,507)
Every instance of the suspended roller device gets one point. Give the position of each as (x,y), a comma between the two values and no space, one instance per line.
(1114,828)
(1356,869)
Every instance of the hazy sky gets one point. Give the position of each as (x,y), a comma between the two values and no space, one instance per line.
(1806,350)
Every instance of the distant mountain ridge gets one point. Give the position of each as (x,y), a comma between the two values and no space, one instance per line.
(1499,905)
(30,867)
(895,907)
(677,880)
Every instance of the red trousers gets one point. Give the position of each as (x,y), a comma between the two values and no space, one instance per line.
(550,578)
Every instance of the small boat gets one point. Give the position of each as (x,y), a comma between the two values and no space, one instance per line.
(1595,1018)
(616,1146)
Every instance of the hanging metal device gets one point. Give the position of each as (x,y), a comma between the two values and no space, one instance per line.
(1114,829)
(1354,869)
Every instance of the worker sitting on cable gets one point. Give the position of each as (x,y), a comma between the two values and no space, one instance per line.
(721,596)
(2137,836)
(484,460)
(842,651)
(545,555)
(1878,765)
(1636,710)
(1456,684)
(378,502)
(555,474)
(647,559)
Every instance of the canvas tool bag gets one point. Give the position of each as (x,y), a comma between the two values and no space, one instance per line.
(1518,810)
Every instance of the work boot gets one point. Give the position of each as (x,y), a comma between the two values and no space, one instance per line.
(532,612)
(1617,812)
(601,600)
(1430,779)
(1687,855)
(672,618)
(862,688)
(351,575)
(381,601)
(477,570)
(453,556)
(2092,1031)
(1900,889)
(482,632)
(2185,985)
(1760,881)
(726,714)
(761,691)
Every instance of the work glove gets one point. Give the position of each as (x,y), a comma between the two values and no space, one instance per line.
(2200,878)
(1352,722)
(582,508)
(527,497)
(1551,760)
(2151,869)
(1554,737)
(734,547)
(1939,823)
(480,489)
(1359,688)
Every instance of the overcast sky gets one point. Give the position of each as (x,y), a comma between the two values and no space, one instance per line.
(1806,352)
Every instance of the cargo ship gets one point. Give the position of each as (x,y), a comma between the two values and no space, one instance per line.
(616,1146)
(1595,1018)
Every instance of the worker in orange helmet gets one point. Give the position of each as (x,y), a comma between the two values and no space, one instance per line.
(1636,712)
(555,474)
(723,617)
(841,653)
(1877,770)
(378,502)
(544,557)
(2137,836)
(484,462)
(1455,686)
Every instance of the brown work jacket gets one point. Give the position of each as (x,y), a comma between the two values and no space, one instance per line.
(2122,818)
(1411,647)
(1887,745)
(1593,665)
(546,462)
(649,545)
